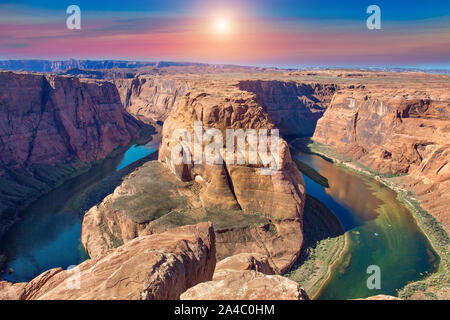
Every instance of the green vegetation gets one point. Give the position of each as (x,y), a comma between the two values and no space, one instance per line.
(324,242)
(224,219)
(440,241)
(156,192)
(95,194)
(306,145)
(220,218)
(18,188)
(174,219)
(160,197)
(145,136)
(331,155)
(113,240)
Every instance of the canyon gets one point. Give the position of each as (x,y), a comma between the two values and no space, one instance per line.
(393,126)
(52,128)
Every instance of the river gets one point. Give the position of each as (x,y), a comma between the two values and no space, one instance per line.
(379,231)
(48,235)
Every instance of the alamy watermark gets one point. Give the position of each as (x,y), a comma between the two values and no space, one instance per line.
(242,147)
(374,280)
(73,282)
(374,20)
(73,22)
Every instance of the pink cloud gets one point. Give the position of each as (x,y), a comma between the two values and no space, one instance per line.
(251,41)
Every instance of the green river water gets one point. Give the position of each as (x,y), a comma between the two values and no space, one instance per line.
(379,231)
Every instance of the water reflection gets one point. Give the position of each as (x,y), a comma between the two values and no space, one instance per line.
(353,193)
(379,229)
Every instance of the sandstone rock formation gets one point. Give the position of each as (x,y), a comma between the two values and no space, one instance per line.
(151,97)
(220,106)
(292,106)
(246,285)
(246,261)
(135,207)
(53,119)
(152,200)
(151,267)
(251,212)
(52,126)
(244,277)
(11,291)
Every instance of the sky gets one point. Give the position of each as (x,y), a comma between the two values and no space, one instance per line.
(282,33)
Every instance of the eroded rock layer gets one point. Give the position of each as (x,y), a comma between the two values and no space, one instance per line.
(246,277)
(292,106)
(151,97)
(151,267)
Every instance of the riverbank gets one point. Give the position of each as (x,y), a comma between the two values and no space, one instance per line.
(432,286)
(324,245)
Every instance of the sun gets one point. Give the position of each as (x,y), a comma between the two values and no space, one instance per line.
(222,25)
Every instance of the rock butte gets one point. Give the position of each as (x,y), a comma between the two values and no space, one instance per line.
(241,189)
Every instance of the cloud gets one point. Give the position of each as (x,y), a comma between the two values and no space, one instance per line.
(147,35)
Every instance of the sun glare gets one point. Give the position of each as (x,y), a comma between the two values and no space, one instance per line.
(222,25)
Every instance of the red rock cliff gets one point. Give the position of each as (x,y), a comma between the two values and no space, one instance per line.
(50,124)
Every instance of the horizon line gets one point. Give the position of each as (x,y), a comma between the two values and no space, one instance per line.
(271,66)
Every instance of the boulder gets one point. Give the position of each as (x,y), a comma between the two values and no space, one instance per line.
(152,267)
(241,277)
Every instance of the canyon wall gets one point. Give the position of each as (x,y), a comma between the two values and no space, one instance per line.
(292,106)
(151,97)
(52,126)
(403,134)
